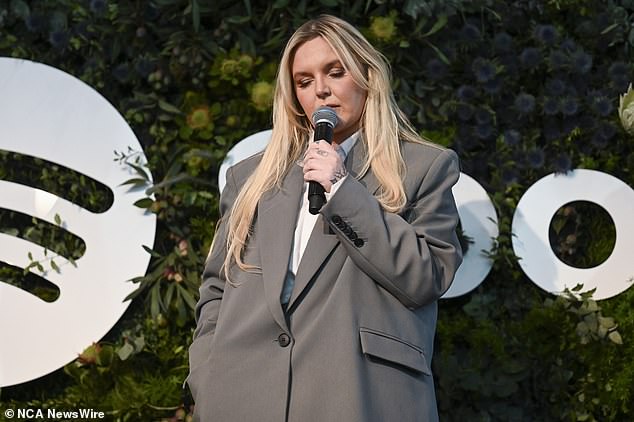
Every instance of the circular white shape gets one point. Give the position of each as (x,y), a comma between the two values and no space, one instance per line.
(247,147)
(531,222)
(479,222)
(52,115)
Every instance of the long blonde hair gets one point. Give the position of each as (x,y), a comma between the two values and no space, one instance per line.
(382,126)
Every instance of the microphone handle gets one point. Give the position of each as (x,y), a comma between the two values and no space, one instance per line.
(316,192)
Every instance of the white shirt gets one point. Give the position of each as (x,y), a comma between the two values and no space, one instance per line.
(306,222)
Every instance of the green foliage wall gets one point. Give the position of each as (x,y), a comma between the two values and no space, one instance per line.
(518,88)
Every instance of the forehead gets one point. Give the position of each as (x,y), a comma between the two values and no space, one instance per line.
(314,53)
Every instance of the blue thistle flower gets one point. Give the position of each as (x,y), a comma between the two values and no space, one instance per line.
(143,67)
(436,69)
(530,57)
(619,75)
(34,22)
(484,131)
(493,86)
(535,157)
(121,72)
(569,124)
(464,112)
(568,45)
(598,140)
(600,104)
(550,106)
(470,32)
(483,69)
(551,129)
(569,106)
(557,59)
(509,176)
(525,103)
(483,116)
(581,61)
(562,163)
(546,34)
(618,69)
(466,92)
(512,137)
(503,42)
(98,6)
(555,87)
(59,39)
(606,131)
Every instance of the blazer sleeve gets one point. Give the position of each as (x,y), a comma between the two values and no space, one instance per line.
(213,280)
(415,256)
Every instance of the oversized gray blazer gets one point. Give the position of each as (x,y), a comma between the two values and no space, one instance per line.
(355,343)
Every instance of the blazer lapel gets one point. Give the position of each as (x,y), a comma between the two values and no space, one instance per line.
(277,214)
(322,240)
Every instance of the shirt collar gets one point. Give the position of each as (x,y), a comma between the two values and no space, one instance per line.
(347,145)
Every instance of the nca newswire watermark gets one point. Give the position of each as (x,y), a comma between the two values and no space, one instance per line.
(53,414)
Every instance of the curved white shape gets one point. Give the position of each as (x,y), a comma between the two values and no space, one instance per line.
(479,222)
(531,222)
(247,147)
(50,114)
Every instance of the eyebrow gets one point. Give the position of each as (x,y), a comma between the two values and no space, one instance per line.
(326,66)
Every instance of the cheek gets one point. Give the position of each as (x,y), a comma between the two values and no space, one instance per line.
(303,100)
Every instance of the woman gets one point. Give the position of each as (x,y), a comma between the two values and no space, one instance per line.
(328,317)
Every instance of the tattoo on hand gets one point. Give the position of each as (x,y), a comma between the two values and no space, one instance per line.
(339,174)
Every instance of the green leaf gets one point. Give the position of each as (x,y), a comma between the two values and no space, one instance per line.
(280,4)
(196,15)
(440,54)
(144,203)
(140,170)
(135,181)
(440,23)
(169,108)
(54,266)
(189,299)
(238,20)
(155,301)
(165,183)
(151,251)
(58,220)
(609,28)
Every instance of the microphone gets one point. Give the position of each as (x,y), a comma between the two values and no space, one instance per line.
(325,119)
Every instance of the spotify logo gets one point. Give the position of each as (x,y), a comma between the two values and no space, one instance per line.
(54,119)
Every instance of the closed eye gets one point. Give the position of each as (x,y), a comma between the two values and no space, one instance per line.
(337,73)
(303,83)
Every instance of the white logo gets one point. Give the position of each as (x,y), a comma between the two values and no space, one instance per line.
(49,114)
(530,227)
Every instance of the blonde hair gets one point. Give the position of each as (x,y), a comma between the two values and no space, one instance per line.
(382,126)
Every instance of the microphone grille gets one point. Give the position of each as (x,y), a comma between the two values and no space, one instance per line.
(325,115)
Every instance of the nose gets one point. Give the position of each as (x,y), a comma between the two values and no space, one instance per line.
(322,90)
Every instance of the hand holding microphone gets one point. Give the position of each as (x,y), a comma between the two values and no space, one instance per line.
(323,166)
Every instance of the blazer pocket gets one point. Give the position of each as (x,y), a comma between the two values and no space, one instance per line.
(198,354)
(392,349)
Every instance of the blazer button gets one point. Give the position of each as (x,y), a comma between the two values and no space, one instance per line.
(284,339)
(358,243)
(336,219)
(348,231)
(353,236)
